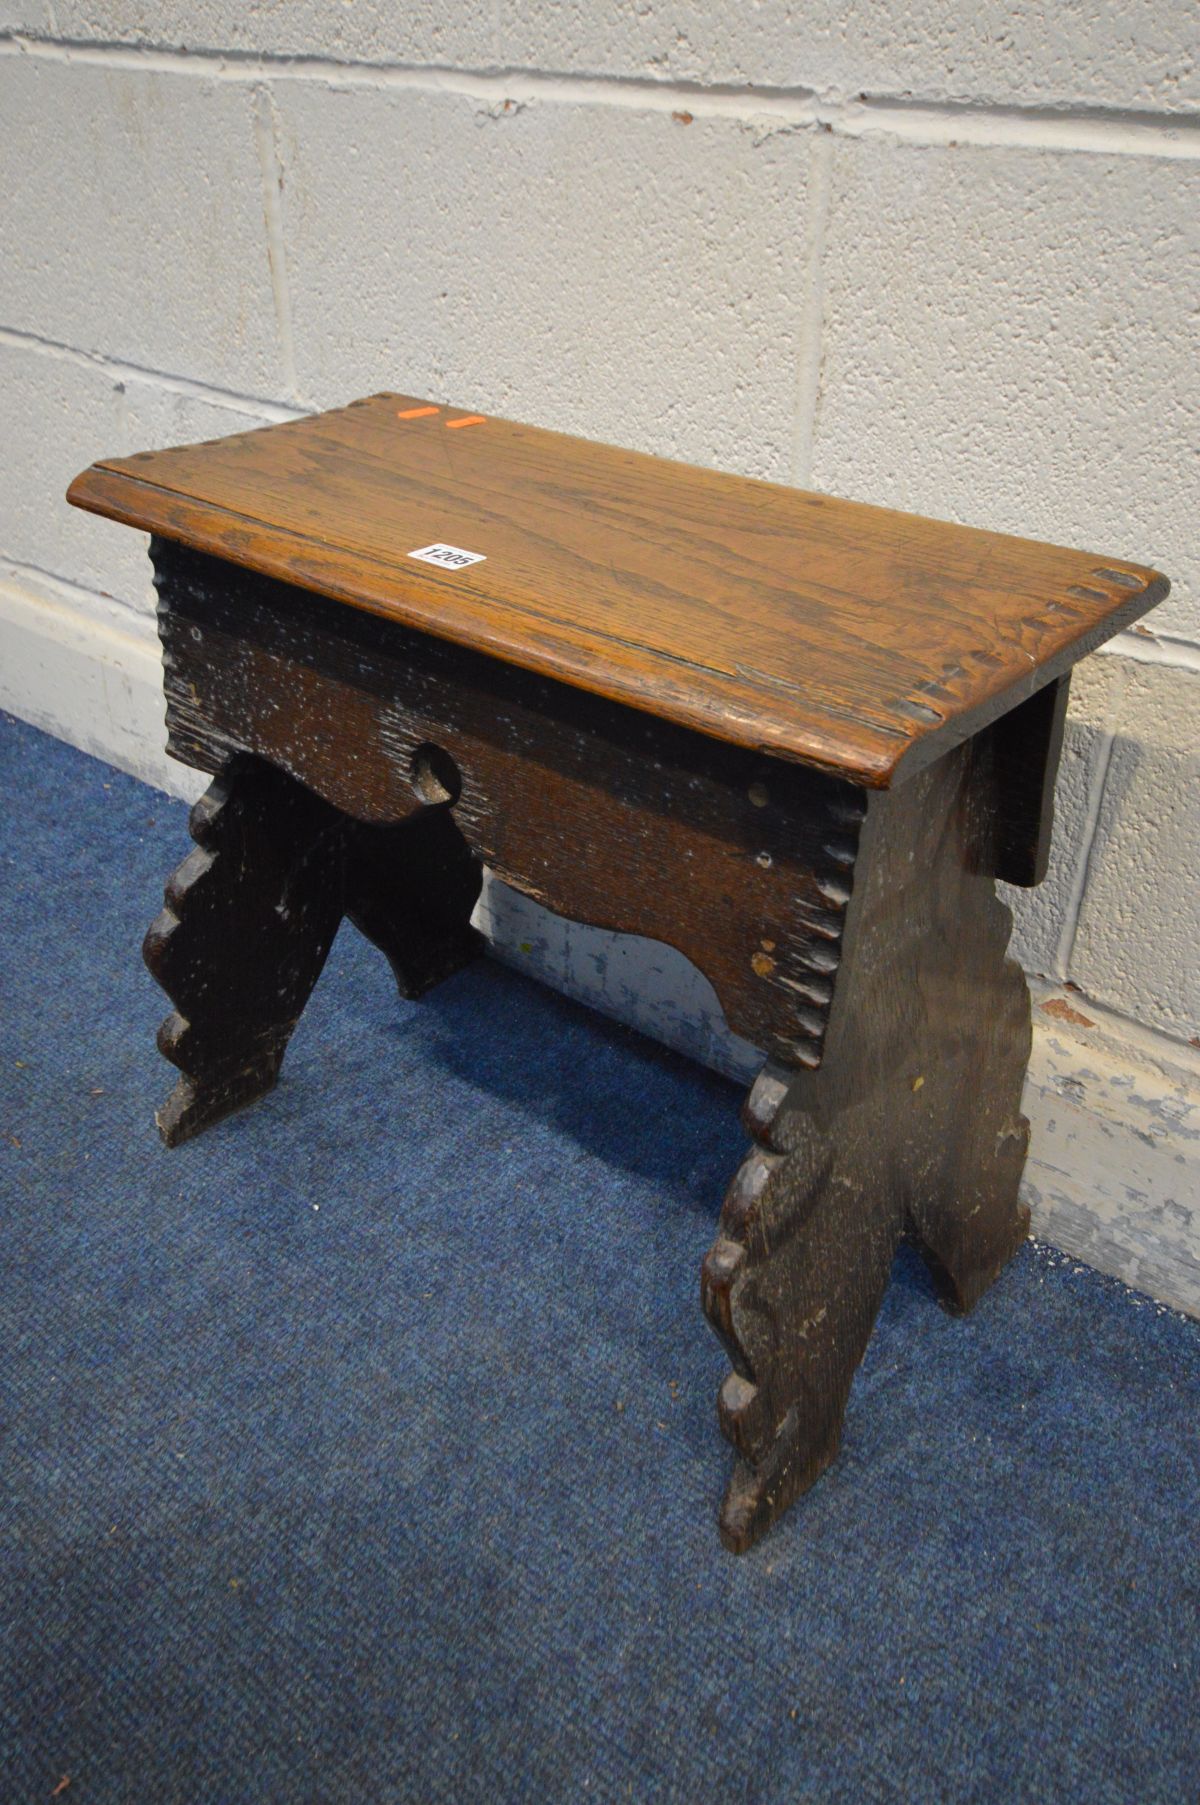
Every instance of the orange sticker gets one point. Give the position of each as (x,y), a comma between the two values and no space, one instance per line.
(468,420)
(417,413)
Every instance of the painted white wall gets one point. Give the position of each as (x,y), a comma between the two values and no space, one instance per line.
(945,258)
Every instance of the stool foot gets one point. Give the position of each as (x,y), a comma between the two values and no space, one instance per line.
(193,1106)
(963,1203)
(410,888)
(809,1229)
(758,1495)
(249,919)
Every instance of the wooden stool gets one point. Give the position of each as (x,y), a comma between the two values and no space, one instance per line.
(796,738)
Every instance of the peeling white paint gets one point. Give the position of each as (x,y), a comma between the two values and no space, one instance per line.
(1114,1161)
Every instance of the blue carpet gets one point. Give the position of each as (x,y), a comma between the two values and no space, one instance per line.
(365,1448)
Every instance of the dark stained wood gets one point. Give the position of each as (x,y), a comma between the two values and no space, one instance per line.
(1028,744)
(251,914)
(858,640)
(744,863)
(912,1124)
(410,889)
(249,919)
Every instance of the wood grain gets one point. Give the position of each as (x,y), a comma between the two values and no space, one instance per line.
(858,640)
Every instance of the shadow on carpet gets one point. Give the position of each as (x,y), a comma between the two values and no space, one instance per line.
(365,1448)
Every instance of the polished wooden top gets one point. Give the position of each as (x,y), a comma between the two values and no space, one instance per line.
(849,637)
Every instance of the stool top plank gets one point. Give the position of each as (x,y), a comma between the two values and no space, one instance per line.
(848,637)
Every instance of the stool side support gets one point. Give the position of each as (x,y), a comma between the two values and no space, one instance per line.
(247,923)
(912,1125)
(1028,744)
(250,915)
(410,889)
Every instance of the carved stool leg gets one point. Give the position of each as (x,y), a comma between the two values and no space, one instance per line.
(249,919)
(410,888)
(911,1123)
(251,914)
(793,1285)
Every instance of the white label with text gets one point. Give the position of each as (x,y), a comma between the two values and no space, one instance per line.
(450,557)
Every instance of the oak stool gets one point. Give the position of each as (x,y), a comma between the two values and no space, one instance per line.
(794,737)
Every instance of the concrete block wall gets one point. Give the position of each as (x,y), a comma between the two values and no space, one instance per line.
(942,258)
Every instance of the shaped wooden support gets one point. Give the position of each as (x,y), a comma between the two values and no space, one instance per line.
(250,916)
(912,1123)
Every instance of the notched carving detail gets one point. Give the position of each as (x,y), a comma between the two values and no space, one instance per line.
(792,1286)
(806,961)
